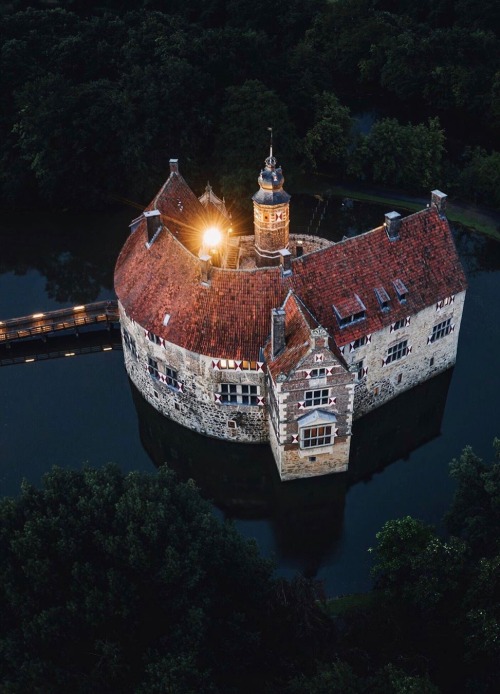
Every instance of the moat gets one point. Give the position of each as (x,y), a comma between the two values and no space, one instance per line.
(83,409)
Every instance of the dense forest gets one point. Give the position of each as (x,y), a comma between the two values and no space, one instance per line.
(96,99)
(113,583)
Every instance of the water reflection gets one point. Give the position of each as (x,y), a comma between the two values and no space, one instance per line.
(75,253)
(305,516)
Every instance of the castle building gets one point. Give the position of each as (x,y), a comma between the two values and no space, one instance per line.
(278,337)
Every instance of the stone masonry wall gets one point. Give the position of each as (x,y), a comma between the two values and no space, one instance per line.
(379,383)
(271,224)
(287,407)
(192,401)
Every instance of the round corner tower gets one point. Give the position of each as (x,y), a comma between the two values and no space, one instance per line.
(271,215)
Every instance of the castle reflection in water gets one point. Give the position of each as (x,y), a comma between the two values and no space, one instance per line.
(306,516)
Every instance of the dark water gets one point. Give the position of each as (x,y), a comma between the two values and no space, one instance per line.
(82,409)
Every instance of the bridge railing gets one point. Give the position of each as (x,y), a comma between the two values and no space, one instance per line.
(60,319)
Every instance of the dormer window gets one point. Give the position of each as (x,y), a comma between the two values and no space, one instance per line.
(383,298)
(350,310)
(401,290)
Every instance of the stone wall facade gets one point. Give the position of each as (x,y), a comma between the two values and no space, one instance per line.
(330,389)
(271,225)
(237,401)
(187,387)
(384,368)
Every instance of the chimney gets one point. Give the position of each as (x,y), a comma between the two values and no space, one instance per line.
(206,266)
(174,166)
(277,331)
(392,224)
(153,220)
(438,200)
(286,261)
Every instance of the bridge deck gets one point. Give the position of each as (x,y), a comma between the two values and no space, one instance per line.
(70,319)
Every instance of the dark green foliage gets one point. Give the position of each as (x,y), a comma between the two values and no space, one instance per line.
(401,155)
(96,100)
(243,138)
(111,583)
(438,591)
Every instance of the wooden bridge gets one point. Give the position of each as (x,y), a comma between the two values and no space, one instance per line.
(88,317)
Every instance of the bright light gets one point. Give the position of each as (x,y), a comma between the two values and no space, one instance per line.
(38,315)
(106,349)
(212,237)
(28,361)
(78,308)
(69,354)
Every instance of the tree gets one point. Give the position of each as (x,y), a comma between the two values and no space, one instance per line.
(326,143)
(408,156)
(128,583)
(242,141)
(475,511)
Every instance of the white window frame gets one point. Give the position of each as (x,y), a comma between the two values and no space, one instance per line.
(244,394)
(397,351)
(318,397)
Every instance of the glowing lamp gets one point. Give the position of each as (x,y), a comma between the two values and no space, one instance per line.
(212,237)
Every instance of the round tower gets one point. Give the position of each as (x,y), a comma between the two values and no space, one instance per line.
(270,214)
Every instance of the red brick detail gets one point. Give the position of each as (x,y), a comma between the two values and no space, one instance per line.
(332,401)
(216,364)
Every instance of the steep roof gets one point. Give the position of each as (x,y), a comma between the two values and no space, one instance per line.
(297,339)
(230,318)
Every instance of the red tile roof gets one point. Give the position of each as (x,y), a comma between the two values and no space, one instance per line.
(230,318)
(297,339)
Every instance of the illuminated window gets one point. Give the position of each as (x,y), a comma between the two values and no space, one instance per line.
(397,351)
(313,398)
(441,330)
(239,394)
(244,365)
(316,436)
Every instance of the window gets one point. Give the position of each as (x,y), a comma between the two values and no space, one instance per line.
(153,338)
(317,373)
(129,343)
(401,290)
(383,298)
(153,368)
(239,394)
(359,370)
(400,378)
(316,436)
(352,318)
(359,343)
(431,362)
(171,377)
(397,351)
(399,324)
(244,365)
(313,398)
(440,330)
(349,310)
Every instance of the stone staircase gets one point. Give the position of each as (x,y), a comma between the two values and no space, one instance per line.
(232,254)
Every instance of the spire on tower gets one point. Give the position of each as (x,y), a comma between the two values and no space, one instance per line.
(271,143)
